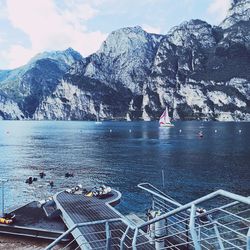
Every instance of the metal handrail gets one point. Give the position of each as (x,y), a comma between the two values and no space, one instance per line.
(190,207)
(196,202)
(160,194)
(248,239)
(123,237)
(55,242)
(135,239)
(192,228)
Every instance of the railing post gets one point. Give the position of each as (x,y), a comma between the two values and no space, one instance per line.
(52,244)
(2,199)
(218,236)
(163,178)
(108,236)
(123,238)
(3,182)
(160,232)
(135,239)
(192,228)
(187,234)
(248,239)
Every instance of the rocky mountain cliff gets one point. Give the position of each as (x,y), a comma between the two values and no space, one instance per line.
(197,70)
(28,85)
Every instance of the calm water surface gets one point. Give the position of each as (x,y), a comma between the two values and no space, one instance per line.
(123,154)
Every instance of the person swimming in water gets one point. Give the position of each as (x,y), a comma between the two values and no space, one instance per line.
(200,134)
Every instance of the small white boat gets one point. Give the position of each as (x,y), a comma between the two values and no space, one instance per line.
(165,119)
(98,119)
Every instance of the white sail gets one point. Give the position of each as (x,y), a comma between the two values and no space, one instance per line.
(98,119)
(165,119)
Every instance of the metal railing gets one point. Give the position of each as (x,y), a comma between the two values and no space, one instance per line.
(177,226)
(222,227)
(102,234)
(3,181)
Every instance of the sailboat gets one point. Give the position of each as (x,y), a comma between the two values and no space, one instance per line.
(98,119)
(165,119)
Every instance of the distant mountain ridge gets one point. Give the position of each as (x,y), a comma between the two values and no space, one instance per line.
(199,71)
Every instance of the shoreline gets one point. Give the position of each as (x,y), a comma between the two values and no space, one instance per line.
(12,242)
(21,243)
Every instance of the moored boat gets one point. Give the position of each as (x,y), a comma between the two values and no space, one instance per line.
(165,119)
(98,121)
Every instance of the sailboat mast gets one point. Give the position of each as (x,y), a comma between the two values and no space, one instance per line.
(97,118)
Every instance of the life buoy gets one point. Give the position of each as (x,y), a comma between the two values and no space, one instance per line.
(6,221)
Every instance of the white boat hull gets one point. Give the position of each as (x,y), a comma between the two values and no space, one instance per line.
(167,125)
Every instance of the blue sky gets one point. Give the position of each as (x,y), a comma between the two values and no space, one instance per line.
(28,27)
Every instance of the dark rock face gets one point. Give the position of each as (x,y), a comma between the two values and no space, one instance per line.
(28,85)
(198,71)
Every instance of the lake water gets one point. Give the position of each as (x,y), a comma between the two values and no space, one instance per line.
(123,154)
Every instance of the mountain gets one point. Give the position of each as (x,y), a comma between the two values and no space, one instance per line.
(239,11)
(199,71)
(28,85)
(203,71)
(107,81)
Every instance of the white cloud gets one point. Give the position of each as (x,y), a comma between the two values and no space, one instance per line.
(1,39)
(151,29)
(3,10)
(218,9)
(51,28)
(75,13)
(17,55)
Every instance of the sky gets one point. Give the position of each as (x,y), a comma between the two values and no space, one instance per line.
(28,27)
